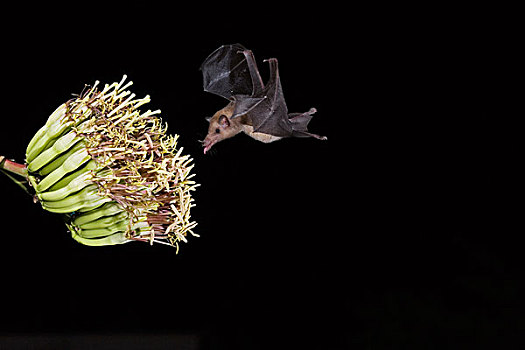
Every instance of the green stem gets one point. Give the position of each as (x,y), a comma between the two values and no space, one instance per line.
(9,167)
(13,167)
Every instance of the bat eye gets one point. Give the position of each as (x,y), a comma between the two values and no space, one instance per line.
(217,130)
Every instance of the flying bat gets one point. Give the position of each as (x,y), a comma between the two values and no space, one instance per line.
(256,109)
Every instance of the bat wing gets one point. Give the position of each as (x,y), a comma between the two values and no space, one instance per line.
(270,115)
(245,104)
(226,73)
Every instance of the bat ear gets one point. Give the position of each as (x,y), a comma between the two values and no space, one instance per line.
(208,119)
(224,121)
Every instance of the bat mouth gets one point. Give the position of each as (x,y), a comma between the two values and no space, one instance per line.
(207,144)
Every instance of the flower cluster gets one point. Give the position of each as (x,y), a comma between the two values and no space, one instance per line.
(113,169)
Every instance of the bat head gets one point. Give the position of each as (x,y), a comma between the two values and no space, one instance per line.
(221,127)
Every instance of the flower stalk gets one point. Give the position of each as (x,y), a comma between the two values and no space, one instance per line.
(13,167)
(9,167)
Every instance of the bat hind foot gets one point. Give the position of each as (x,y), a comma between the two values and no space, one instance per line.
(319,137)
(300,124)
(308,134)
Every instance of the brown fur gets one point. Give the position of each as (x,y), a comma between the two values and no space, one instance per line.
(228,127)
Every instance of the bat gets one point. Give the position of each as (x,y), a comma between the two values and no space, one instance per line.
(256,109)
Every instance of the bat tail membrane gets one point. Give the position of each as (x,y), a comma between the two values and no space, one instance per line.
(300,124)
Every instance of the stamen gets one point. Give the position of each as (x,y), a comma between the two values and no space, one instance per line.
(143,170)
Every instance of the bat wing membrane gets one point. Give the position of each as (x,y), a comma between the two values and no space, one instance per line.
(270,116)
(225,72)
(245,104)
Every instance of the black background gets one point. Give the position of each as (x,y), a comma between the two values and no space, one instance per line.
(394,233)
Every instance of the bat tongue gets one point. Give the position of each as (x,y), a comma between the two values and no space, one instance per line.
(207,146)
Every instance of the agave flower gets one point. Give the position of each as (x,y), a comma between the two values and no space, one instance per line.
(111,169)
